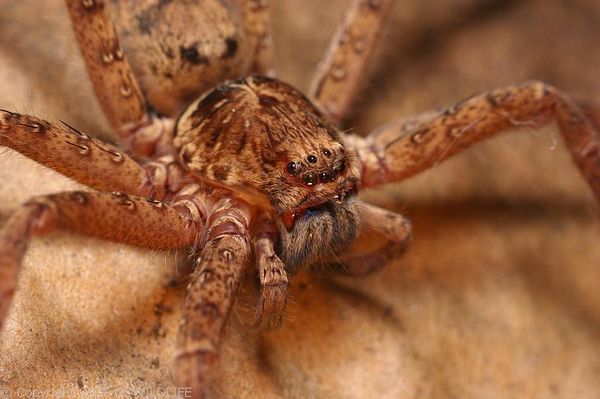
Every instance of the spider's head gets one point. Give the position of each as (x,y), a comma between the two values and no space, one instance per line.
(263,139)
(311,173)
(310,176)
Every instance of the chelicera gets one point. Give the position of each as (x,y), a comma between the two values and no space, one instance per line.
(238,166)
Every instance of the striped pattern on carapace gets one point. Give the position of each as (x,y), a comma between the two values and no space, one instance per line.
(263,139)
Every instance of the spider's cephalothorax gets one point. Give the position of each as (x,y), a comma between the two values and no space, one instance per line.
(266,141)
(269,144)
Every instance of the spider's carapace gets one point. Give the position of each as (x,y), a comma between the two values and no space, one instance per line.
(264,140)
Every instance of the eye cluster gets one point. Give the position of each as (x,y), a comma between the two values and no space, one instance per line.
(310,177)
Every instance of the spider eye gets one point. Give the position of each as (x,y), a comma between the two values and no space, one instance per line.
(292,168)
(310,179)
(326,152)
(312,159)
(341,167)
(326,176)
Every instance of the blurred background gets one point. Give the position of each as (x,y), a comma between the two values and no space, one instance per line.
(499,295)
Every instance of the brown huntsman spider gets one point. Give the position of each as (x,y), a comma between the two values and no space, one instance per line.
(239,167)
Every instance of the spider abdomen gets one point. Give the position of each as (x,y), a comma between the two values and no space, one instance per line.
(178,50)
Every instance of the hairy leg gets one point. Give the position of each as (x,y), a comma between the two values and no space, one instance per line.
(210,294)
(383,235)
(272,302)
(117,217)
(74,154)
(405,148)
(340,74)
(115,85)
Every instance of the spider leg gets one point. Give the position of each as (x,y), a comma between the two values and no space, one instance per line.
(256,25)
(272,302)
(117,217)
(405,148)
(116,88)
(74,154)
(210,294)
(114,83)
(338,77)
(383,235)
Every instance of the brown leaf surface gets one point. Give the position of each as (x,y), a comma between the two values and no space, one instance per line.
(499,295)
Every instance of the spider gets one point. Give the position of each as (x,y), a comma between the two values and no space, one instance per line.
(250,171)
